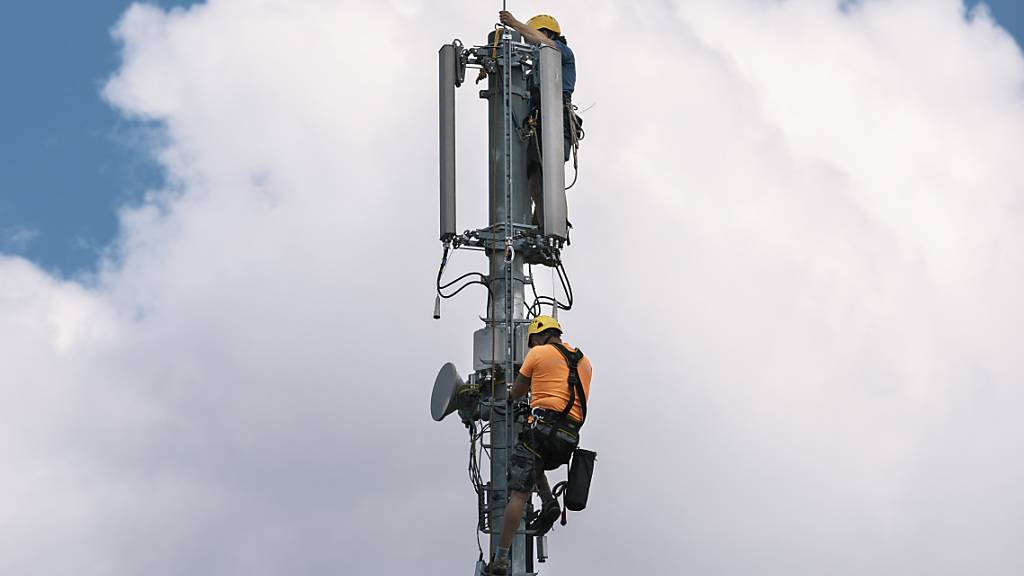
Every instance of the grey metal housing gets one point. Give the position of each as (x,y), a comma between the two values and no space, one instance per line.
(447,66)
(556,211)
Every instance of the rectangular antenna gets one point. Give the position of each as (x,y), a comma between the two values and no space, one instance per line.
(447,68)
(556,211)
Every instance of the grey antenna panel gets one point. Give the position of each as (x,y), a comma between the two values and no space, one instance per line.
(555,209)
(447,75)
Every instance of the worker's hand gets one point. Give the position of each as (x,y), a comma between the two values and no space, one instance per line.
(481,75)
(506,18)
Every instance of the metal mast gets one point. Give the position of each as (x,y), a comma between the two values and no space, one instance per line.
(510,241)
(506,94)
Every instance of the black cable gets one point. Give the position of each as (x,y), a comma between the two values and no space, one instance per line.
(539,301)
(474,475)
(533,286)
(444,265)
(440,272)
(563,276)
(575,171)
(538,307)
(464,286)
(472,457)
(575,164)
(464,276)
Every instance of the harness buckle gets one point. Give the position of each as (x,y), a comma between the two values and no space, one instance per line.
(536,415)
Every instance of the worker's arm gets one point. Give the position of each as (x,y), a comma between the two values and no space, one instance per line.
(531,35)
(521,387)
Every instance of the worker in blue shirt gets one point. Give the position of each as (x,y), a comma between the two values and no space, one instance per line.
(544,29)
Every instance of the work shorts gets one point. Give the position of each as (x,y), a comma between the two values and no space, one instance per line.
(545,445)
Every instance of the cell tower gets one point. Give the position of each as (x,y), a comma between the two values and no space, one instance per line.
(511,242)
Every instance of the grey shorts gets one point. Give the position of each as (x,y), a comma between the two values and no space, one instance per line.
(545,446)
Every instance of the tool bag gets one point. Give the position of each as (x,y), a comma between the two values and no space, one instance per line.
(577,487)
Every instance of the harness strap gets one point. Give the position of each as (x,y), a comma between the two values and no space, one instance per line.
(575,384)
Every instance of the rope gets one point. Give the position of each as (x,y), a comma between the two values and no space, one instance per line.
(574,142)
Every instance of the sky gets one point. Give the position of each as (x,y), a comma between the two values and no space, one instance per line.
(63,219)
(67,159)
(796,265)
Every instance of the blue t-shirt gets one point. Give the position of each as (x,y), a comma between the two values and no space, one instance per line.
(568,67)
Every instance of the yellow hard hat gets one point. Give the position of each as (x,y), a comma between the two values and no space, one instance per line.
(542,323)
(542,21)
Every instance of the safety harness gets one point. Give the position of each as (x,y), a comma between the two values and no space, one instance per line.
(575,384)
(575,489)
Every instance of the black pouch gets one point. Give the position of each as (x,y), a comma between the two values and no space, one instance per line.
(554,443)
(581,471)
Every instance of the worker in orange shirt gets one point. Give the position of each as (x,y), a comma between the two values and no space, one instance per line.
(557,377)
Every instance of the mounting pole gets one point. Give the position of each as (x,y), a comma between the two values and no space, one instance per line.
(508,98)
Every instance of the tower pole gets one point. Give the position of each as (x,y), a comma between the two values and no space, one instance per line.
(508,101)
(510,240)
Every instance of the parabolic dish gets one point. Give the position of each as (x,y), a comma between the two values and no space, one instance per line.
(442,399)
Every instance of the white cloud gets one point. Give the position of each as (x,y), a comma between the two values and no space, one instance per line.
(797,265)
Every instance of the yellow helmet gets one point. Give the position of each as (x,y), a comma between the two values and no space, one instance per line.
(542,21)
(542,323)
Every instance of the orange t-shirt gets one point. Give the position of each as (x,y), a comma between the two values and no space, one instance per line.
(549,379)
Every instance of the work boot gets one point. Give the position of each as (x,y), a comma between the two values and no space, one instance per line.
(499,566)
(546,518)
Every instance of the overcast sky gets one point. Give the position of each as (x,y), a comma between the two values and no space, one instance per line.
(797,261)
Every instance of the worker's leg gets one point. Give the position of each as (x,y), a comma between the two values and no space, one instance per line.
(543,488)
(535,185)
(549,511)
(521,480)
(513,515)
(534,181)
